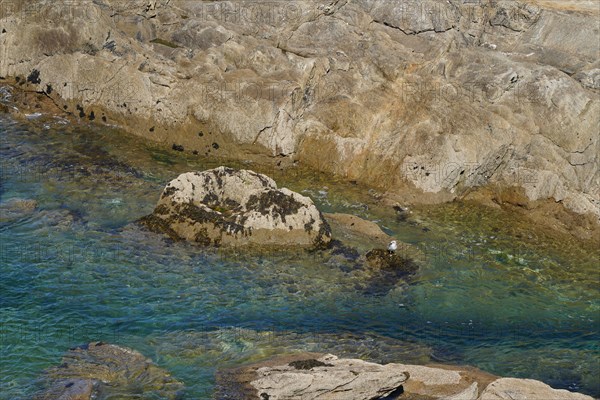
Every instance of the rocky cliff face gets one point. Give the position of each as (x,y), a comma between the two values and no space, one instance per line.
(429,97)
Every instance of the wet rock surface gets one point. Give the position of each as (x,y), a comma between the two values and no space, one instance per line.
(353,229)
(100,371)
(227,207)
(511,388)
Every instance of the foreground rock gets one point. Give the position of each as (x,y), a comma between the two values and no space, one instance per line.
(311,376)
(317,376)
(517,389)
(227,207)
(100,370)
(329,377)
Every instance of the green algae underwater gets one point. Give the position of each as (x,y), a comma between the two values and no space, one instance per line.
(493,292)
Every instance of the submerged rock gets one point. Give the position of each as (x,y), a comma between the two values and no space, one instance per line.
(384,260)
(227,207)
(100,370)
(15,209)
(383,271)
(354,230)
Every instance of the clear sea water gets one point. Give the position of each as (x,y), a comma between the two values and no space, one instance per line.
(493,293)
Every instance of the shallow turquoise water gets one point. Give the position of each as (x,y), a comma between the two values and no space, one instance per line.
(492,293)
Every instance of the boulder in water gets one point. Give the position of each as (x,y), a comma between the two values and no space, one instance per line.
(228,207)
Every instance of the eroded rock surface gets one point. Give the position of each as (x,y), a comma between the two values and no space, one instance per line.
(427,99)
(317,376)
(227,207)
(99,370)
(526,389)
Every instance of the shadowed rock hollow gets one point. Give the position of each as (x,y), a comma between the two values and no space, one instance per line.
(227,207)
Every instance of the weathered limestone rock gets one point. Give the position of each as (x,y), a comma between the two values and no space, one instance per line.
(227,207)
(526,389)
(311,375)
(445,382)
(329,378)
(426,99)
(100,368)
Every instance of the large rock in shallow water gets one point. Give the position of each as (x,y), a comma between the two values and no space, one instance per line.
(227,207)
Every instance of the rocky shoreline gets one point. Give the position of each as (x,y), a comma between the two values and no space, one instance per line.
(399,103)
(100,370)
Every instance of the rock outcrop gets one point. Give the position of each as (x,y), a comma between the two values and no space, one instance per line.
(329,378)
(227,207)
(109,371)
(316,376)
(437,97)
(511,388)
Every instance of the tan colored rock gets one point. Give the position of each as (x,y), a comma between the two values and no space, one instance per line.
(527,389)
(445,382)
(227,207)
(314,375)
(435,97)
(328,378)
(356,232)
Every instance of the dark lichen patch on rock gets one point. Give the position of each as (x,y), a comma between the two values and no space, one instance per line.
(169,191)
(275,203)
(308,364)
(158,225)
(34,77)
